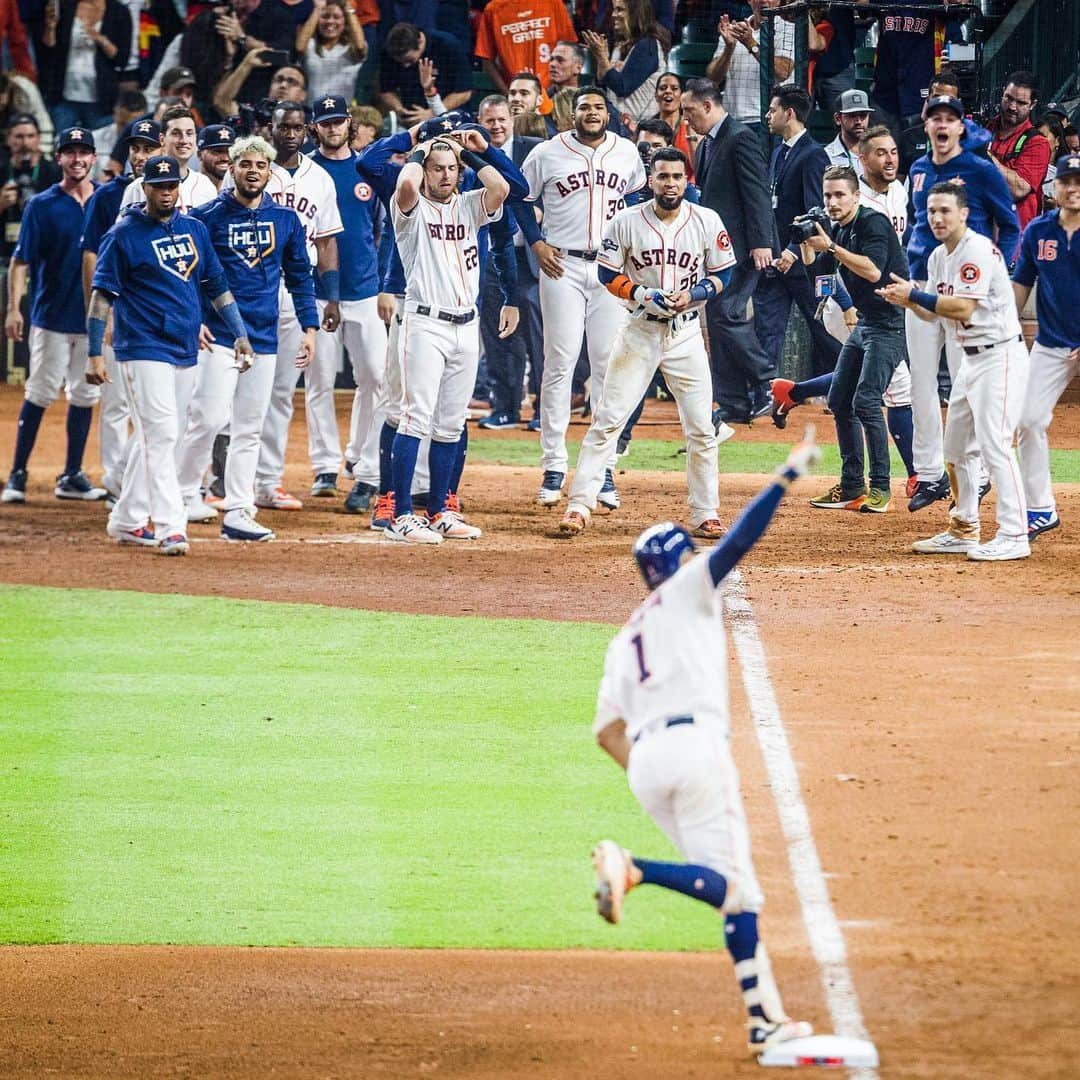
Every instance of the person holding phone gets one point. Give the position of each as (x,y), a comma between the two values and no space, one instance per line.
(250,27)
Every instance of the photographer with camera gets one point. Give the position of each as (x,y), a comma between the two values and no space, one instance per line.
(862,245)
(24,173)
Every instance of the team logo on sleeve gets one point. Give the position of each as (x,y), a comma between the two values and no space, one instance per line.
(252,242)
(610,245)
(177,254)
(723,241)
(969,273)
(363,192)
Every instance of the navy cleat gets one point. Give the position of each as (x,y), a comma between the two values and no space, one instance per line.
(1040,521)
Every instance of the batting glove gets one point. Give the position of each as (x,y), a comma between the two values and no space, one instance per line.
(803,457)
(654,301)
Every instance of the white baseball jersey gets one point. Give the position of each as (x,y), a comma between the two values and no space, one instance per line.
(672,255)
(439,249)
(309,192)
(670,659)
(975,269)
(892,203)
(582,186)
(195,189)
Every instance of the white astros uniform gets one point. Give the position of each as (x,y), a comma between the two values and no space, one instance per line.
(669,663)
(195,189)
(893,204)
(988,390)
(670,256)
(310,194)
(440,254)
(582,189)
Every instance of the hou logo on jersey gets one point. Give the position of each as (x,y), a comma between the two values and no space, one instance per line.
(177,254)
(582,181)
(252,242)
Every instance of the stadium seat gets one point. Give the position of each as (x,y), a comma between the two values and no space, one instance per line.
(690,59)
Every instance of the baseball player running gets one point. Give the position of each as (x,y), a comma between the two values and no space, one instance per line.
(1049,252)
(178,139)
(49,246)
(436,232)
(664,259)
(363,334)
(154,266)
(973,297)
(581,176)
(143,138)
(258,244)
(662,714)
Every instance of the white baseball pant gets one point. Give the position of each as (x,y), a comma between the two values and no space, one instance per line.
(275,433)
(640,348)
(685,779)
(219,387)
(984,410)
(1051,373)
(571,306)
(151,489)
(388,408)
(363,336)
(438,372)
(898,392)
(113,425)
(58,360)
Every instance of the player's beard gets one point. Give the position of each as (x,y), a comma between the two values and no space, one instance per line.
(669,202)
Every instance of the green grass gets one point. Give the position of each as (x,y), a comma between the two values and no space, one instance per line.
(735,456)
(194,770)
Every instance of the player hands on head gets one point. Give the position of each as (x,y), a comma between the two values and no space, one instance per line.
(662,714)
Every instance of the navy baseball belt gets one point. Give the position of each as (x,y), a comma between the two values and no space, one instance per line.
(974,350)
(588,256)
(671,721)
(457,318)
(686,316)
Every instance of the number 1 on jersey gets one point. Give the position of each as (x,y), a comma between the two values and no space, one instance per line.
(639,651)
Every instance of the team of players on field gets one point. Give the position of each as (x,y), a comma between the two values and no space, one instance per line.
(213,312)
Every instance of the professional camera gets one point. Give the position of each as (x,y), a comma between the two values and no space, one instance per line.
(645,152)
(803,226)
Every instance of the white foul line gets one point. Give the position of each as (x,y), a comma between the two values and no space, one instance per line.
(822,928)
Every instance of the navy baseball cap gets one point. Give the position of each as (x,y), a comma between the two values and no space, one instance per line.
(948,101)
(331,107)
(23,118)
(436,126)
(214,136)
(75,136)
(1069,165)
(144,130)
(161,169)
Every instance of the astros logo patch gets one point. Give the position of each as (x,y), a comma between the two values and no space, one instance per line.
(363,191)
(969,273)
(723,241)
(252,242)
(177,254)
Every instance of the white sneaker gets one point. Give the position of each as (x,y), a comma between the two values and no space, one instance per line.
(453,526)
(239,525)
(1001,549)
(611,864)
(198,511)
(410,529)
(724,432)
(945,543)
(763,1035)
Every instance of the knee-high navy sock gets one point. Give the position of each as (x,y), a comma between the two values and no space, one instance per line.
(902,430)
(26,434)
(386,469)
(808,388)
(441,460)
(406,447)
(459,460)
(78,431)
(752,968)
(697,882)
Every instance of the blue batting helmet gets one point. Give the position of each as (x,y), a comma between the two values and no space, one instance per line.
(659,551)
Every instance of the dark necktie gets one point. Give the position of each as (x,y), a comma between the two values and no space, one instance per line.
(781,158)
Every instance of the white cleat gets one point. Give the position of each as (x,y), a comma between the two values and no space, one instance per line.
(550,488)
(763,1035)
(1001,549)
(945,543)
(452,526)
(409,529)
(240,527)
(724,432)
(611,864)
(198,511)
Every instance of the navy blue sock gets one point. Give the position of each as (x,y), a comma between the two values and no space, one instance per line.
(441,460)
(386,469)
(808,388)
(902,430)
(406,447)
(459,460)
(78,431)
(697,882)
(26,434)
(742,942)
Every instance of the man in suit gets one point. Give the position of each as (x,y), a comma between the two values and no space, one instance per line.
(506,356)
(795,174)
(730,172)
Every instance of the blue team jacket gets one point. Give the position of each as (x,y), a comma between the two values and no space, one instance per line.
(255,248)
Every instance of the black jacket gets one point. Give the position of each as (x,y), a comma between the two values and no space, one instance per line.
(734,185)
(116,26)
(796,184)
